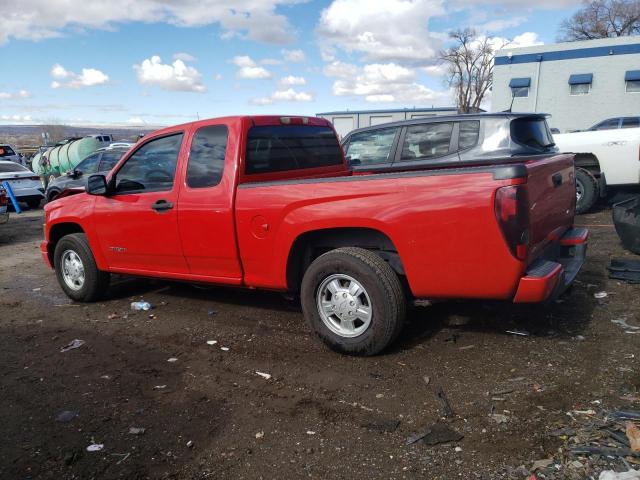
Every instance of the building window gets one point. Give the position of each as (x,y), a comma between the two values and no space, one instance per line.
(520,87)
(580,84)
(632,80)
(580,89)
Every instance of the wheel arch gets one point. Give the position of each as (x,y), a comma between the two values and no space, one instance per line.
(58,231)
(588,162)
(311,244)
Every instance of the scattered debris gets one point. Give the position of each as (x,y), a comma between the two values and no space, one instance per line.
(628,475)
(211,342)
(137,431)
(426,379)
(467,347)
(172,359)
(441,433)
(159,387)
(444,403)
(499,418)
(95,447)
(113,316)
(417,437)
(259,434)
(624,415)
(140,306)
(36,289)
(544,463)
(224,349)
(211,312)
(521,333)
(458,449)
(266,376)
(625,269)
(382,426)
(72,345)
(600,295)
(379,395)
(123,455)
(66,416)
(628,328)
(190,444)
(633,434)
(310,432)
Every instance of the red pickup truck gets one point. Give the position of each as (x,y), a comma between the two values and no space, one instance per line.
(269,202)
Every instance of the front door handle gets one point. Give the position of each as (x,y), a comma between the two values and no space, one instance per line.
(162,205)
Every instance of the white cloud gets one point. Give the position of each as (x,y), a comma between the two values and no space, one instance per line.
(271,61)
(248,69)
(16,119)
(393,30)
(40,19)
(527,39)
(20,94)
(176,76)
(293,55)
(136,121)
(217,76)
(288,95)
(292,80)
(382,83)
(88,77)
(185,57)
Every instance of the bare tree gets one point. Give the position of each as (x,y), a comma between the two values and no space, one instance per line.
(469,64)
(602,19)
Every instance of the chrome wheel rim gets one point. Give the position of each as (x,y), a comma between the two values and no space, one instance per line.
(72,270)
(344,305)
(579,190)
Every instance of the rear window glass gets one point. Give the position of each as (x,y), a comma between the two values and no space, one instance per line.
(468,136)
(109,160)
(291,147)
(533,132)
(12,167)
(6,151)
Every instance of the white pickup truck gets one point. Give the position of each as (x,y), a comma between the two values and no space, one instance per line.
(604,159)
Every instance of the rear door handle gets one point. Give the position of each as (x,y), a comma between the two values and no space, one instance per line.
(557,179)
(162,205)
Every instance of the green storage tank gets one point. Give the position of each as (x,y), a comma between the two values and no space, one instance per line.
(66,156)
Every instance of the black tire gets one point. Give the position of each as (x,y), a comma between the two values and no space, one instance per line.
(588,184)
(35,203)
(96,282)
(52,194)
(388,303)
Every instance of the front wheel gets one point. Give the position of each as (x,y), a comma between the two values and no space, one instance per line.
(353,300)
(76,269)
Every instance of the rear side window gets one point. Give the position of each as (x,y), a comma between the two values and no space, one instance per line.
(291,147)
(206,158)
(631,122)
(469,132)
(371,147)
(532,132)
(430,140)
(610,124)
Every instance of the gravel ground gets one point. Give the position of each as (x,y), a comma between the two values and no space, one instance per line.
(208,414)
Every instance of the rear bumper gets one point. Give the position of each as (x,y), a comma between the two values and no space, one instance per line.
(547,278)
(44,251)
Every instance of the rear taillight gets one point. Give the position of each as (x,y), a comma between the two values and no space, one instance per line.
(3,199)
(512,213)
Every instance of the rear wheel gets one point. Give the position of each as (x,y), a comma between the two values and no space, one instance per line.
(587,190)
(76,269)
(52,194)
(353,300)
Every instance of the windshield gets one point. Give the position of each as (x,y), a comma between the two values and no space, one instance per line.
(532,131)
(6,151)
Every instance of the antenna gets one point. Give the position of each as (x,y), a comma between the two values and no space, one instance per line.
(513,97)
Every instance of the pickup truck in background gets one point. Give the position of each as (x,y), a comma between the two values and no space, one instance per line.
(269,202)
(605,160)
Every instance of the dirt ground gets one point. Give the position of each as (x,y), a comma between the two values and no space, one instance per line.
(321,415)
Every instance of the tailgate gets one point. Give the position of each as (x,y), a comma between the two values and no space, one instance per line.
(552,200)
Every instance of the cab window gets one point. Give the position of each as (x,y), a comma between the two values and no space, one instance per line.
(152,167)
(206,158)
(89,164)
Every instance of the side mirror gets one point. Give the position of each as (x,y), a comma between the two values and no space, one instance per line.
(97,185)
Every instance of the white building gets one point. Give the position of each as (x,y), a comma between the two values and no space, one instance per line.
(578,83)
(349,120)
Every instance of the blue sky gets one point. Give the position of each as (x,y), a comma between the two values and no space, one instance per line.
(160,62)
